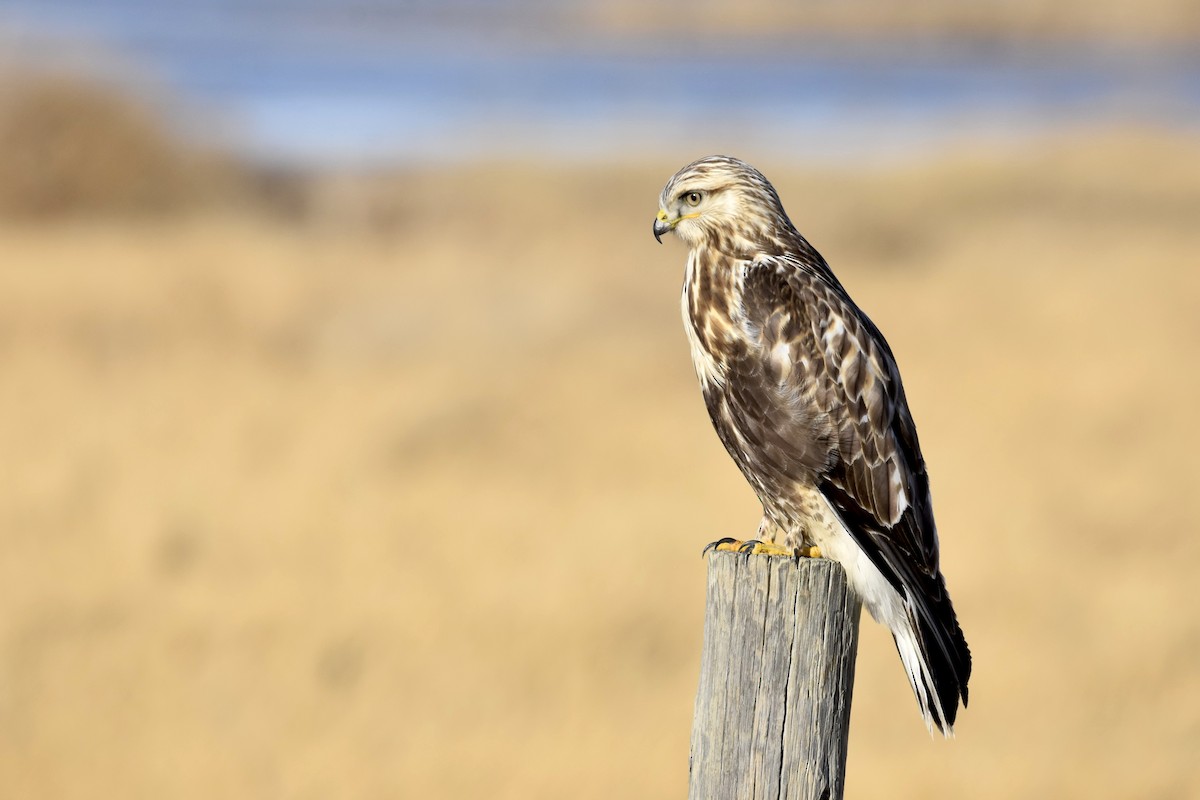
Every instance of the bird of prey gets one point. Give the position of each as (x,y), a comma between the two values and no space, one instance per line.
(804,393)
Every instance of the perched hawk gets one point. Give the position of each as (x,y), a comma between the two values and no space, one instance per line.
(805,395)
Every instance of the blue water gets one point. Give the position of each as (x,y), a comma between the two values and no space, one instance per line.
(311,81)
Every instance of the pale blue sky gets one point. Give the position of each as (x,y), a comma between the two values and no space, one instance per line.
(321,80)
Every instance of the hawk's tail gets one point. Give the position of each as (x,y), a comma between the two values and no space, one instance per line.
(914,605)
(935,656)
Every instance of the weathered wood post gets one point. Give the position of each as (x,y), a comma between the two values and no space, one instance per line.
(776,677)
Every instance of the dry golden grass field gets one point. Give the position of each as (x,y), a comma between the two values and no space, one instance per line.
(406,500)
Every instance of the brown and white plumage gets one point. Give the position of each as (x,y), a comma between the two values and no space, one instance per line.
(805,395)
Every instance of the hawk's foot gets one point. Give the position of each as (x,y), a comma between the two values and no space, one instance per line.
(760,548)
(728,543)
(755,547)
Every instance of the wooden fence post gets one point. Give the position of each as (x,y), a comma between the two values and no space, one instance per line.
(776,678)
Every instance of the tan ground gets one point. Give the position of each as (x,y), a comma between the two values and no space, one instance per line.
(802,26)
(414,509)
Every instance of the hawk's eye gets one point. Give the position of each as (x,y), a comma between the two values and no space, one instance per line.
(692,198)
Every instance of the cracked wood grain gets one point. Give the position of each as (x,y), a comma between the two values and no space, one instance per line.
(772,712)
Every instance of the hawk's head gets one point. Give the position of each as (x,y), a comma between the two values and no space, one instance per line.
(721,202)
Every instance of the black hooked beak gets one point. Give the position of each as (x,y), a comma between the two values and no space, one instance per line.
(660,227)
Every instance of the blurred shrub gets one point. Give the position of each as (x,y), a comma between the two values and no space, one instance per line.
(68,146)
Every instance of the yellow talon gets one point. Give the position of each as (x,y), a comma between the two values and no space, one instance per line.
(758,548)
(765,549)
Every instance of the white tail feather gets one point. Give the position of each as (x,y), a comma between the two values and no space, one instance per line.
(919,675)
(888,608)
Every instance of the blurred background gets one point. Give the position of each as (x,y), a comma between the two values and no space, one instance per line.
(352,446)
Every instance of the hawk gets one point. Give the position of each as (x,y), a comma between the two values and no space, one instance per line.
(804,393)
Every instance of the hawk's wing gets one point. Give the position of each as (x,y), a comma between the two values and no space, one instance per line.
(834,371)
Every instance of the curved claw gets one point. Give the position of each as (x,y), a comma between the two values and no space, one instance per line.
(716,544)
(749,545)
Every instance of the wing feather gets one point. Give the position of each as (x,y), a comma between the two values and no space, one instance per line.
(873,473)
